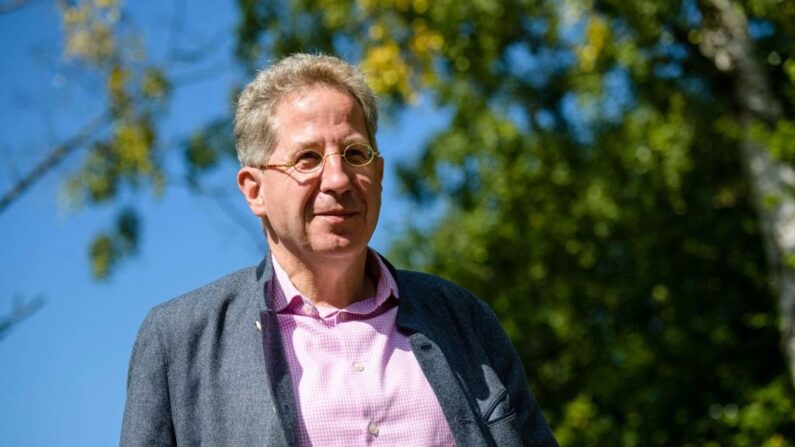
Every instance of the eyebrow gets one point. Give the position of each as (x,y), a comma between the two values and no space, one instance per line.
(353,140)
(345,142)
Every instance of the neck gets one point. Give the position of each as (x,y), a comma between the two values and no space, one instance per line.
(334,283)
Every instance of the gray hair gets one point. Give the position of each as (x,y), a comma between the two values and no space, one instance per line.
(255,116)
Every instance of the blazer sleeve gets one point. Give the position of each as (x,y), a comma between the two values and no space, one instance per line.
(529,421)
(147,413)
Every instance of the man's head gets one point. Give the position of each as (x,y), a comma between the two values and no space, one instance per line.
(256,125)
(315,108)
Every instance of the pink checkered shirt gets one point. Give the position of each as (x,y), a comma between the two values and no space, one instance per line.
(355,377)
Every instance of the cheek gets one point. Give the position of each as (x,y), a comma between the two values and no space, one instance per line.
(301,203)
(371,191)
(285,201)
(369,184)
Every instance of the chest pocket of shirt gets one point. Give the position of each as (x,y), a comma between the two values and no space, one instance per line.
(500,418)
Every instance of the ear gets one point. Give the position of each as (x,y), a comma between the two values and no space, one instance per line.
(249,181)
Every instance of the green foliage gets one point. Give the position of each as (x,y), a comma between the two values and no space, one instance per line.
(589,186)
(110,247)
(779,139)
(592,190)
(126,155)
(207,147)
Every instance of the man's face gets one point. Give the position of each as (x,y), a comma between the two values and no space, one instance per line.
(327,214)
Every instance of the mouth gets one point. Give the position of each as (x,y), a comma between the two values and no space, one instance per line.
(336,214)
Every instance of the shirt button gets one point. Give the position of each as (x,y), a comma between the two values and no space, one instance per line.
(307,309)
(373,428)
(358,366)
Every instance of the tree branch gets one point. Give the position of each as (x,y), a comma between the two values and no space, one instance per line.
(727,43)
(52,160)
(21,311)
(13,5)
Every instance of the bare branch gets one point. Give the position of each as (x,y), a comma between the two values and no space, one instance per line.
(52,160)
(199,75)
(200,52)
(9,168)
(13,5)
(177,26)
(21,311)
(221,198)
(237,217)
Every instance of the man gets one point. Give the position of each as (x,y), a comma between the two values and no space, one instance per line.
(324,343)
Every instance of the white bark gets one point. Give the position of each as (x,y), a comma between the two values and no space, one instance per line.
(726,42)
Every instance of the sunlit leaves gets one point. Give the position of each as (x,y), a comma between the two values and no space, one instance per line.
(387,71)
(599,207)
(154,84)
(117,83)
(109,248)
(132,143)
(88,27)
(207,147)
(597,33)
(754,418)
(583,424)
(663,145)
(136,94)
(125,158)
(779,140)
(589,187)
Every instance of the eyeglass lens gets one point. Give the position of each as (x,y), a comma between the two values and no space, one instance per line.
(356,155)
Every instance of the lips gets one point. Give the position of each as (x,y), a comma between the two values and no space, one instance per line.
(337,214)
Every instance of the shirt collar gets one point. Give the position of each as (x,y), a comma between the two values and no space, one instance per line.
(287,299)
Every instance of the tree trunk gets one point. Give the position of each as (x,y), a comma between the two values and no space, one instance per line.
(725,41)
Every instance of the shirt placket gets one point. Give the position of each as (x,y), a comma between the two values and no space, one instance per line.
(361,372)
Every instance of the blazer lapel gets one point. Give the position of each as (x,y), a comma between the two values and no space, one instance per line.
(277,371)
(446,383)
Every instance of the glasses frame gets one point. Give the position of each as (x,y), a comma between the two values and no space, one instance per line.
(373,155)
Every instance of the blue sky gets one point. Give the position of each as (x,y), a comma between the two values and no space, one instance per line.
(63,370)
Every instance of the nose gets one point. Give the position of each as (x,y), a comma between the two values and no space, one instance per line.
(334,177)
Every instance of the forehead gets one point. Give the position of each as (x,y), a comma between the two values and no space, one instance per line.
(318,112)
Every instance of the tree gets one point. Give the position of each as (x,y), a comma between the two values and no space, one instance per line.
(122,150)
(599,185)
(615,181)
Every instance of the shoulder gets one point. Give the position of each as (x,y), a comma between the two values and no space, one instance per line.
(434,296)
(226,297)
(209,295)
(437,290)
(441,288)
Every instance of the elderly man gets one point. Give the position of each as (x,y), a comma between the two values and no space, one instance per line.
(324,343)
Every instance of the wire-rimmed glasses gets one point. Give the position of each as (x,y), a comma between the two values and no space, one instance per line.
(356,155)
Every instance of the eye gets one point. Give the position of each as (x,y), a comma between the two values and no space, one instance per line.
(306,161)
(358,154)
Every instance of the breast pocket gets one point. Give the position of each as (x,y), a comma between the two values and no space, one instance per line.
(501,418)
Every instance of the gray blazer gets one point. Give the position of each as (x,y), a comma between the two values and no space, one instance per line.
(202,373)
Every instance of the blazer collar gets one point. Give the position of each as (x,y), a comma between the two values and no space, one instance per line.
(263,274)
(408,316)
(281,386)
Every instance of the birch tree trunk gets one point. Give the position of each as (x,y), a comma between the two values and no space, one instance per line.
(726,42)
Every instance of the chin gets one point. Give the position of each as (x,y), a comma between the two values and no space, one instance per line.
(338,247)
